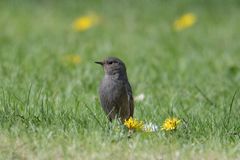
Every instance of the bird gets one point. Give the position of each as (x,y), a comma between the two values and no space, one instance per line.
(115,91)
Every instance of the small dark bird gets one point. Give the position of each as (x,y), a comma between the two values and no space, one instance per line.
(115,91)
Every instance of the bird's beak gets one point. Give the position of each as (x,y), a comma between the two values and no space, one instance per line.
(101,63)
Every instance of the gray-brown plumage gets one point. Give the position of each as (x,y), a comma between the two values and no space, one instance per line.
(115,91)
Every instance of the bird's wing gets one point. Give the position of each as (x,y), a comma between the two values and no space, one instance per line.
(130,99)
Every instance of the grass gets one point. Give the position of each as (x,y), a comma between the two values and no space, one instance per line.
(50,109)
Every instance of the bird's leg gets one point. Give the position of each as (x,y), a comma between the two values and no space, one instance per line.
(109,115)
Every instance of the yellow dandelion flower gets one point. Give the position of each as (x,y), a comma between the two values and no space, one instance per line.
(85,22)
(72,59)
(133,124)
(170,124)
(185,21)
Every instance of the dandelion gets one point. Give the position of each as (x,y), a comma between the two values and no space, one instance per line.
(85,22)
(139,97)
(133,124)
(150,127)
(185,21)
(72,59)
(170,124)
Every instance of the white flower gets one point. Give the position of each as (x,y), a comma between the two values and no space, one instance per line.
(139,97)
(150,127)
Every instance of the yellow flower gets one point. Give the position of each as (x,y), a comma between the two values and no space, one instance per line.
(72,58)
(85,22)
(133,124)
(170,124)
(185,21)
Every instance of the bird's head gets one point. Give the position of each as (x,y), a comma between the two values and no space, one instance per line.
(113,65)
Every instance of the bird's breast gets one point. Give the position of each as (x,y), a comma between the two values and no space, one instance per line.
(112,89)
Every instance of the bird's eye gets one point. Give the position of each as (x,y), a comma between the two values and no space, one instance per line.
(110,62)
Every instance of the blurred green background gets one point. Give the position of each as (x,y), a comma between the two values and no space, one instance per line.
(191,74)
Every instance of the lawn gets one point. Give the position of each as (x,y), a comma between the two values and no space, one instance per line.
(49,105)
